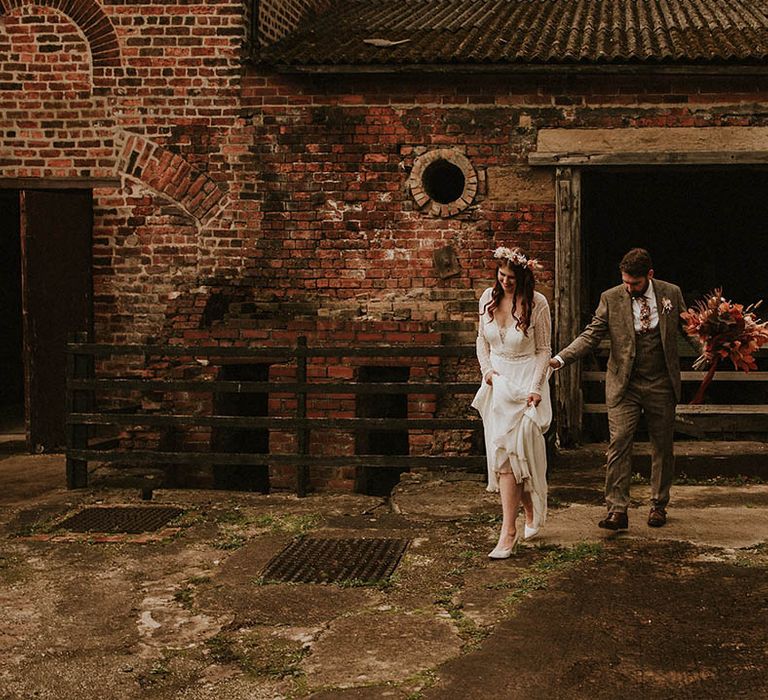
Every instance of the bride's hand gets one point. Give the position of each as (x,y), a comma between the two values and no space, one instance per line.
(534,399)
(489,377)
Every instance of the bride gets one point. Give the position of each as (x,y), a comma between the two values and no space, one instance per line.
(513,348)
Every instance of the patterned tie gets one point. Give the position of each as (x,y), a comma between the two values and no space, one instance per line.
(645,314)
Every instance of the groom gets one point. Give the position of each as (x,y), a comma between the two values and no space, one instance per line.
(641,316)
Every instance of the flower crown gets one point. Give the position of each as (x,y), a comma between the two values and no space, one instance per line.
(515,258)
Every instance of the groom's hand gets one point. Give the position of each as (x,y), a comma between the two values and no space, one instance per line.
(534,399)
(554,363)
(489,377)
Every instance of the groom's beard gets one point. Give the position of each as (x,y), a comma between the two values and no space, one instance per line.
(637,295)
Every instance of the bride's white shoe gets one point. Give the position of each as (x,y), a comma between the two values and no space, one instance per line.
(530,531)
(505,552)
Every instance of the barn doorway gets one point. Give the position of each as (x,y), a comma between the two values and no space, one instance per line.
(45,296)
(704,227)
(12,335)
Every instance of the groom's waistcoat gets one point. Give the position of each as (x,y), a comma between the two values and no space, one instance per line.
(650,363)
(613,318)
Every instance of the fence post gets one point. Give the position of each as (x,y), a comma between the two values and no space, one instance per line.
(79,366)
(302,435)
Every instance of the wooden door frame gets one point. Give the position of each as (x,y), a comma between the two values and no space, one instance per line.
(571,150)
(567,300)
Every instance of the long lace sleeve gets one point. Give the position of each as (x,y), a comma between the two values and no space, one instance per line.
(542,335)
(482,345)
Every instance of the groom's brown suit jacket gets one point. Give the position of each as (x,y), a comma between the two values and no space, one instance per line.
(613,317)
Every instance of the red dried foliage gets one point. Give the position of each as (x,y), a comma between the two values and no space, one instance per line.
(726,331)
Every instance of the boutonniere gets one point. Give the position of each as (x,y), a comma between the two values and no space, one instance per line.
(666,305)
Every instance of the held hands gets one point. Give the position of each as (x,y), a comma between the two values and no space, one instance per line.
(554,363)
(489,377)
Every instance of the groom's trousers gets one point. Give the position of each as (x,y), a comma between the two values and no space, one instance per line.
(650,393)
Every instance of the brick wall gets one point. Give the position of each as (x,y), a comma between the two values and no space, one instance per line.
(248,207)
(142,94)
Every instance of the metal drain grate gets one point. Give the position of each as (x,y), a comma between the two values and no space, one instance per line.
(309,560)
(128,519)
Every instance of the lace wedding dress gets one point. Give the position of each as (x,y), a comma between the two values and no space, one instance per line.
(514,432)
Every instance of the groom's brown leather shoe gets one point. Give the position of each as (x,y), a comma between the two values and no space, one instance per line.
(615,520)
(657,517)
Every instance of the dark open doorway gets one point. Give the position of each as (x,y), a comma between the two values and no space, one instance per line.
(703,228)
(45,297)
(56,235)
(12,336)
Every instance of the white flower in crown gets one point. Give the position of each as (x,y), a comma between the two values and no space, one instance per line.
(666,305)
(515,258)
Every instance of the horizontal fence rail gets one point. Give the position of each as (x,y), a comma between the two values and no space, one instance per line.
(755,377)
(737,402)
(83,385)
(234,387)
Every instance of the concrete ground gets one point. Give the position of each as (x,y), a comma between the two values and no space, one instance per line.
(678,612)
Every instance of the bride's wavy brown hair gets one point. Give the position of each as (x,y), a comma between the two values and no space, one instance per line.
(525,283)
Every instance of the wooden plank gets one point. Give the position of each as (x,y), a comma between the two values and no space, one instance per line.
(701,424)
(206,458)
(651,145)
(652,139)
(284,354)
(404,350)
(725,376)
(162,385)
(567,299)
(643,158)
(684,349)
(77,435)
(275,422)
(302,436)
(724,409)
(105,350)
(701,409)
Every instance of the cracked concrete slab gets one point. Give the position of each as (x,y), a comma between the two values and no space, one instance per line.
(374,647)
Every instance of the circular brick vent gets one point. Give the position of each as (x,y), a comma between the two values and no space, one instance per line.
(443,182)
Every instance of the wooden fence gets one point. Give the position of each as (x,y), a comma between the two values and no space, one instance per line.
(82,414)
(741,409)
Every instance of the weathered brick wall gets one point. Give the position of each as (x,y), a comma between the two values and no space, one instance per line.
(142,94)
(342,234)
(249,207)
(55,125)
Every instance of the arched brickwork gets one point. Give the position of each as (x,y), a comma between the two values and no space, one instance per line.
(171,175)
(92,21)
